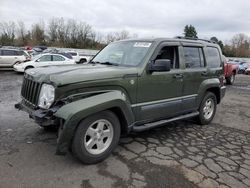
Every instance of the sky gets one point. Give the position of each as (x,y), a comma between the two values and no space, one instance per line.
(146,18)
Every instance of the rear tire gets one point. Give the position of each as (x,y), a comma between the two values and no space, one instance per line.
(230,80)
(83,61)
(96,137)
(207,109)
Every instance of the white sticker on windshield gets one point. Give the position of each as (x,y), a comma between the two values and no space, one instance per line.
(142,44)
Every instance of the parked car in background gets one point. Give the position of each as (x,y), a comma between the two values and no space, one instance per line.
(247,71)
(41,47)
(44,60)
(79,57)
(243,66)
(230,71)
(9,57)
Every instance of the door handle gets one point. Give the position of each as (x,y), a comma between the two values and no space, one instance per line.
(178,76)
(204,73)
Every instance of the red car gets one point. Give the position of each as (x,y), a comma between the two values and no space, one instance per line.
(247,71)
(230,71)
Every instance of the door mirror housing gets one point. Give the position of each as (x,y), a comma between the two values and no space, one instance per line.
(160,65)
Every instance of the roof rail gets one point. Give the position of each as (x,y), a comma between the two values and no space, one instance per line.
(191,38)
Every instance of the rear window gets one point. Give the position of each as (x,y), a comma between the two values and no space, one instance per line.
(58,58)
(73,53)
(193,57)
(213,57)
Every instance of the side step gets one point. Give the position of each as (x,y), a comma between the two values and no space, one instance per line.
(148,126)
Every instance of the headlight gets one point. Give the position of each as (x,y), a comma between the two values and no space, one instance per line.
(47,96)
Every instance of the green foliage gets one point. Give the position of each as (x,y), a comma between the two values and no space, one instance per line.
(190,31)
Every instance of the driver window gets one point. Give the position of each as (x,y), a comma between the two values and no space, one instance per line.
(44,58)
(171,53)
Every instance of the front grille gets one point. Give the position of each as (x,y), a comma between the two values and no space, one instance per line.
(30,91)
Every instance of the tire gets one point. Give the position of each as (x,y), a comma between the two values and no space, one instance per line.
(83,61)
(206,113)
(230,80)
(94,128)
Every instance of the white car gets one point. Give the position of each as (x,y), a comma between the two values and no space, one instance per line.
(9,57)
(44,60)
(79,57)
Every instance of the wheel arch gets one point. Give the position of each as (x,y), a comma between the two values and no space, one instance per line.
(73,113)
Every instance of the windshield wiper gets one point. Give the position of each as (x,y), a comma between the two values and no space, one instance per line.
(109,63)
(104,63)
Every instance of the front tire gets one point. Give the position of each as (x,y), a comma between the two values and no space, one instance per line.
(96,137)
(207,109)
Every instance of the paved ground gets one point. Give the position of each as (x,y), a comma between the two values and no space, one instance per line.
(181,154)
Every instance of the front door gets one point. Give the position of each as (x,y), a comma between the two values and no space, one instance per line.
(159,93)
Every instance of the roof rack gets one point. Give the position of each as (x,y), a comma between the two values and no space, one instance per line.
(191,38)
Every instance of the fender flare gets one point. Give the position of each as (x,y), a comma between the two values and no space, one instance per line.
(206,85)
(73,113)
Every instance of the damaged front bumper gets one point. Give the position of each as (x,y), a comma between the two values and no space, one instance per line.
(42,117)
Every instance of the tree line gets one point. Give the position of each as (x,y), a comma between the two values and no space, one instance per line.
(239,45)
(58,32)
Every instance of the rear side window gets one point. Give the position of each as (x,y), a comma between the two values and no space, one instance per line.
(8,53)
(193,57)
(58,58)
(213,57)
(45,58)
(73,53)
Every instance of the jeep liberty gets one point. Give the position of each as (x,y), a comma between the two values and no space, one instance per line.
(130,85)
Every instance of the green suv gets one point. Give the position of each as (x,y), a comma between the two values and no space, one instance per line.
(130,85)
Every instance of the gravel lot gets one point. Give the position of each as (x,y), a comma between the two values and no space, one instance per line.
(181,154)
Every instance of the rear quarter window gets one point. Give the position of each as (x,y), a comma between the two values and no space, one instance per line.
(8,52)
(213,57)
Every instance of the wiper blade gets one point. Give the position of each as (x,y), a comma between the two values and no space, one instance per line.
(109,63)
(94,62)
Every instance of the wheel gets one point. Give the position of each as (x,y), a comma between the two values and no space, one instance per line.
(83,61)
(207,109)
(230,80)
(96,137)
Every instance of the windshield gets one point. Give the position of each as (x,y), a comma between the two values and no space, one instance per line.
(128,53)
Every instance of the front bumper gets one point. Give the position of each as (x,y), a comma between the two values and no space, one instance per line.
(41,116)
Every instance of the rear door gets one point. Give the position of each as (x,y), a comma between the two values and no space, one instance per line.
(8,57)
(195,73)
(58,60)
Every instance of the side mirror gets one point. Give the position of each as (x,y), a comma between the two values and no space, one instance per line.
(160,65)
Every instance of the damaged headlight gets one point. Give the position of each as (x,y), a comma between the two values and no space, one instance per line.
(47,96)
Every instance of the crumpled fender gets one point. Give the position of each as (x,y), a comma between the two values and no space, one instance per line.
(75,111)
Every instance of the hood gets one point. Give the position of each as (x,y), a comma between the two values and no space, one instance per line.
(67,74)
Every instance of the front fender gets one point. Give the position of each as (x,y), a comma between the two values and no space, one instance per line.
(74,112)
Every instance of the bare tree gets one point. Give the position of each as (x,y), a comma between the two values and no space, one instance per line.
(240,45)
(7,30)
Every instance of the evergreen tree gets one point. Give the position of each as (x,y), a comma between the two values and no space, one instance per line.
(190,31)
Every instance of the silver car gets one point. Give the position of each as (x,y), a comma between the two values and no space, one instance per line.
(9,57)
